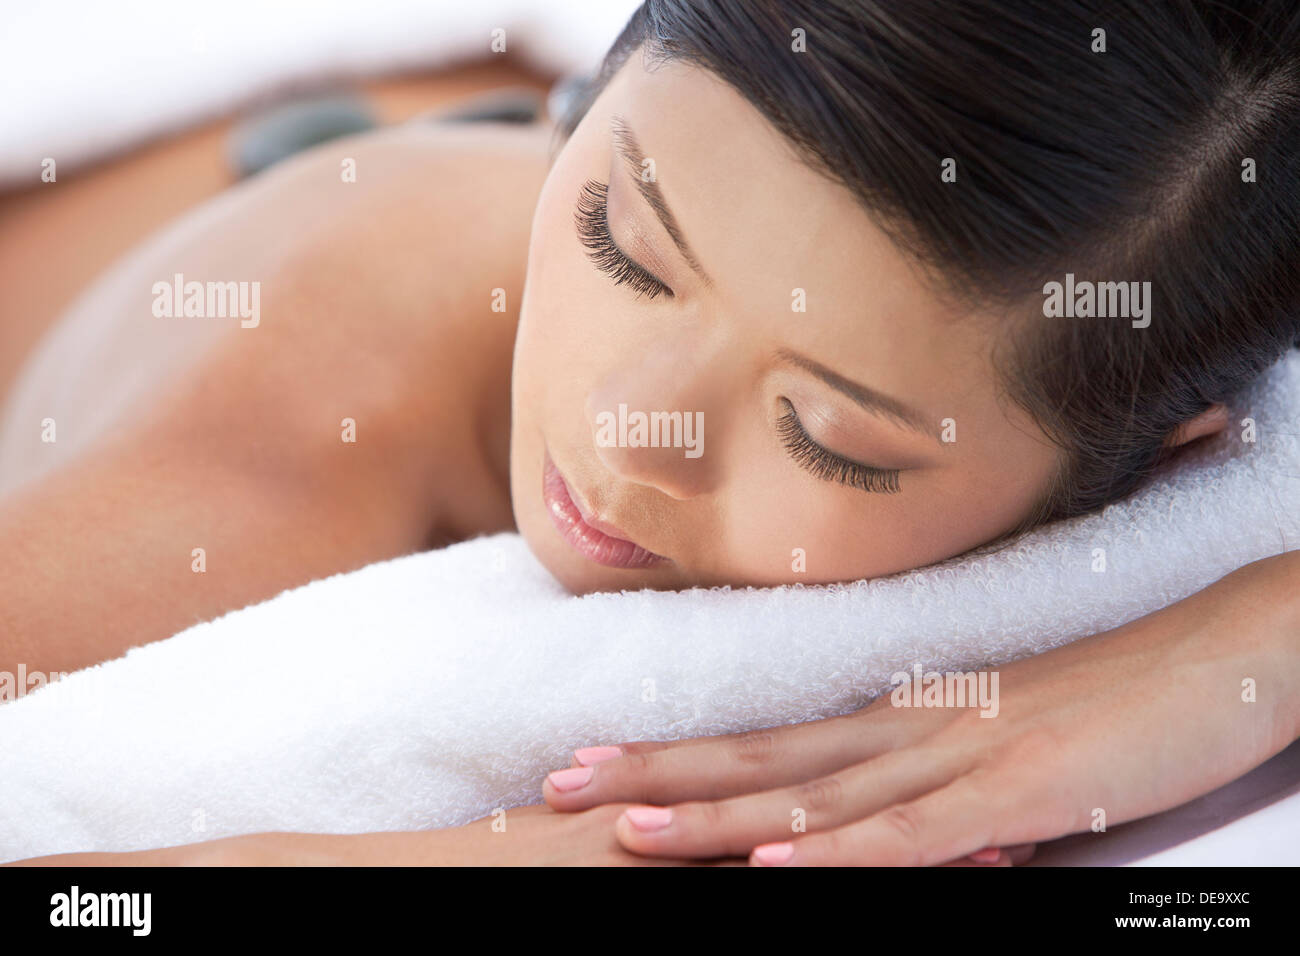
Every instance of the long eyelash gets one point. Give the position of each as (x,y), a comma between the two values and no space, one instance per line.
(830,467)
(593,232)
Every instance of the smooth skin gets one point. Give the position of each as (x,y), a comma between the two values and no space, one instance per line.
(376,305)
(373,308)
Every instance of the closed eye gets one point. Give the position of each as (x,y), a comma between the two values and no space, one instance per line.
(827,465)
(592,219)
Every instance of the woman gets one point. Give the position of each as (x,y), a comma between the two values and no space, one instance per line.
(824,232)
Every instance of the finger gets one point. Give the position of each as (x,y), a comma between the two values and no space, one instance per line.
(942,825)
(712,768)
(590,756)
(737,824)
(996,856)
(1022,854)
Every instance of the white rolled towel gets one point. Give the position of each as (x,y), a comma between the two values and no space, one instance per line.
(430,690)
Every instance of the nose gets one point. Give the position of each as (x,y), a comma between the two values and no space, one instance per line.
(654,421)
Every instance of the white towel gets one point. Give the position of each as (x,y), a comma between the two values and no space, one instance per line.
(432,689)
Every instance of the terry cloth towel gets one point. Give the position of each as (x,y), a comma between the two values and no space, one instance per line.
(430,690)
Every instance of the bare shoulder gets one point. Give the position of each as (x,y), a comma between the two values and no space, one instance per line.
(409,294)
(356,407)
(389,269)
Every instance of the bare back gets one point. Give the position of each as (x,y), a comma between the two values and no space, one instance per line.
(363,413)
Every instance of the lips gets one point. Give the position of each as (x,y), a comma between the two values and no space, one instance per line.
(593,539)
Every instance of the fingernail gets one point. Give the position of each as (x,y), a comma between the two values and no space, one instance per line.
(989,854)
(587,756)
(575,778)
(773,854)
(648,819)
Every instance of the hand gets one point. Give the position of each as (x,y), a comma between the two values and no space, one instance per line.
(533,836)
(1124,724)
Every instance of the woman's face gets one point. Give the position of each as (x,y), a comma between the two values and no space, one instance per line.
(829,418)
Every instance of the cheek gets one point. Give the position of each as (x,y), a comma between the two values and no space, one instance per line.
(546,312)
(561,297)
(785,529)
(544,280)
(778,527)
(780,544)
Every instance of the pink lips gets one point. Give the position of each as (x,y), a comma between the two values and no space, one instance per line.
(599,544)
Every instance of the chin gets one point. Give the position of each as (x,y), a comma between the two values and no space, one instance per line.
(549,551)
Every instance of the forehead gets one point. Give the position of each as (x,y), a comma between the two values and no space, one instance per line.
(763,223)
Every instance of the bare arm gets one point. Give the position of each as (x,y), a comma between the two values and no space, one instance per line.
(1110,728)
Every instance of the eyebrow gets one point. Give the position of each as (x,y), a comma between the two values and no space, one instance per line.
(867,398)
(626,143)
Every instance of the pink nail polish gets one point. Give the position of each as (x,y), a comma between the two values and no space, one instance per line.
(648,819)
(773,854)
(575,778)
(589,756)
(989,854)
